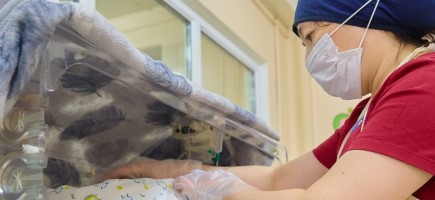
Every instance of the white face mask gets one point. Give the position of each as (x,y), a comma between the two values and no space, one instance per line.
(339,73)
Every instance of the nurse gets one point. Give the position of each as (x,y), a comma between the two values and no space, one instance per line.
(385,150)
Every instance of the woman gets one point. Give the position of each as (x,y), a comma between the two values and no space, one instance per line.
(385,149)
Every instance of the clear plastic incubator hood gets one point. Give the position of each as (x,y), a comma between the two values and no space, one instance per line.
(84,112)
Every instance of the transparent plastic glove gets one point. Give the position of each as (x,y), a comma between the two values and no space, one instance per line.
(150,168)
(208,185)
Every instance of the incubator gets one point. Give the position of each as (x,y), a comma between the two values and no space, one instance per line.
(85,112)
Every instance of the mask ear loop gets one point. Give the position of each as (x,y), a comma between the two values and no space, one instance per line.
(349,18)
(370,21)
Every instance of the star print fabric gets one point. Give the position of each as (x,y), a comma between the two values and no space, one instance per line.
(122,189)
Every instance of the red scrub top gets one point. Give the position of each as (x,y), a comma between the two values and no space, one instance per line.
(400,122)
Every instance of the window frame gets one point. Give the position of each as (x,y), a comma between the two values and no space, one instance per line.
(201,21)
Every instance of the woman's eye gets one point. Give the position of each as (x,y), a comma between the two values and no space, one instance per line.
(308,37)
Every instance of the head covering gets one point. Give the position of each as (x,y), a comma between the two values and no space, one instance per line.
(411,17)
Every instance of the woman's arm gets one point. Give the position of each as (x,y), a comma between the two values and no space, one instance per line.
(299,173)
(357,175)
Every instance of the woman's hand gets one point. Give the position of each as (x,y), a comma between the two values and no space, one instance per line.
(151,168)
(208,185)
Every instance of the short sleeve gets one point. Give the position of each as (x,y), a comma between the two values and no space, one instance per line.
(400,123)
(327,151)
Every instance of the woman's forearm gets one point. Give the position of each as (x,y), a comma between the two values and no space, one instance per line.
(254,194)
(260,177)
(301,172)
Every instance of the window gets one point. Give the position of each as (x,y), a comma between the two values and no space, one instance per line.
(153,28)
(227,76)
(173,31)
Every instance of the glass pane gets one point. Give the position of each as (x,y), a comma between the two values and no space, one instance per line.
(227,76)
(152,27)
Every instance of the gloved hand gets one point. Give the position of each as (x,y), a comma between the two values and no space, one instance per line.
(208,185)
(150,168)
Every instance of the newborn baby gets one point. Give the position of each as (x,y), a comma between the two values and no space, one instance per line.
(122,189)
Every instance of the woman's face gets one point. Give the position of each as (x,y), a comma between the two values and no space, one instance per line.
(345,38)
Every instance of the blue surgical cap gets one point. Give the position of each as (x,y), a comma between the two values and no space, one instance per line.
(410,17)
